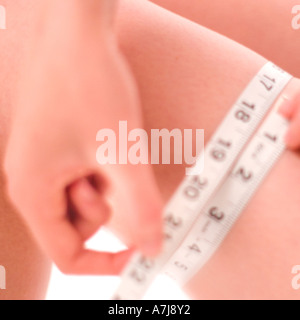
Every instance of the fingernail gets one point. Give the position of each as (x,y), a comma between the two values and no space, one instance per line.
(123,260)
(86,192)
(286,108)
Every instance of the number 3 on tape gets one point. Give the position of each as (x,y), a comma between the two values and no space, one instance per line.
(204,208)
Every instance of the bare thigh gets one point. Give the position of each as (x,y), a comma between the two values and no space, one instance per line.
(264,26)
(189,77)
(27,269)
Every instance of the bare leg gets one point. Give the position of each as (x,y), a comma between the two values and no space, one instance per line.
(264,26)
(188,78)
(26,267)
(27,270)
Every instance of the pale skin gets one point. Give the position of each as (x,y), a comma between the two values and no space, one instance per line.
(257,20)
(159,65)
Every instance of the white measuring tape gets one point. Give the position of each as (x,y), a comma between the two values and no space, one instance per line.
(205,207)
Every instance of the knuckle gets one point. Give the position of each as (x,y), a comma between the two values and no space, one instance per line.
(69,265)
(65,267)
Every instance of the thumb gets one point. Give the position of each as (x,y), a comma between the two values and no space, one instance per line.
(138,192)
(87,207)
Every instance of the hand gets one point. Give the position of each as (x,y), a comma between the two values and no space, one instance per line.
(75,83)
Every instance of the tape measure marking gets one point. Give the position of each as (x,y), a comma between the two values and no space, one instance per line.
(195,191)
(220,214)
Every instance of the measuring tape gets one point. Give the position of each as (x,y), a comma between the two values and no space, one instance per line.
(206,206)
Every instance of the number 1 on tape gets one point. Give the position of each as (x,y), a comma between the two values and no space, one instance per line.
(203,210)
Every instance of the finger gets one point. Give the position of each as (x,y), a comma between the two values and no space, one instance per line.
(293,136)
(287,108)
(66,247)
(290,106)
(88,209)
(142,197)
